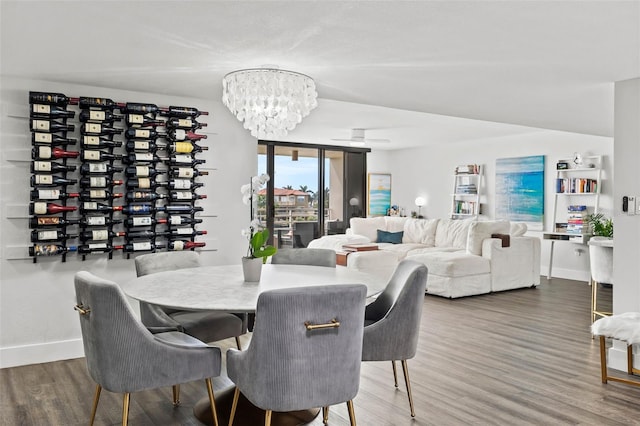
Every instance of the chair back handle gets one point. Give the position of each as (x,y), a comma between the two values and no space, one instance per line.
(82,309)
(333,324)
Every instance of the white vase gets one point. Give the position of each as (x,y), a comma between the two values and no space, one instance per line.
(251,268)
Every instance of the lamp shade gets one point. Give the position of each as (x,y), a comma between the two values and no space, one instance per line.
(420,201)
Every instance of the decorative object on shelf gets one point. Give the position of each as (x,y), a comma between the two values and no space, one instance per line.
(600,225)
(520,190)
(420,201)
(269,101)
(258,248)
(379,194)
(577,160)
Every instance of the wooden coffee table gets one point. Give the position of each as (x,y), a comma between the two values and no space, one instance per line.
(347,249)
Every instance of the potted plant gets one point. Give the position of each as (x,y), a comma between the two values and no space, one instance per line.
(600,225)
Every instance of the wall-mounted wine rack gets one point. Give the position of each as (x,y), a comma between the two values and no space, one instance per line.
(128,196)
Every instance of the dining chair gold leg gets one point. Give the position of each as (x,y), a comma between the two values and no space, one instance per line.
(96,398)
(267,418)
(176,395)
(325,415)
(212,401)
(594,289)
(405,371)
(125,408)
(352,414)
(395,374)
(238,344)
(234,405)
(630,359)
(603,359)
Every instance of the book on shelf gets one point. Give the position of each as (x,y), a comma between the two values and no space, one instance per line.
(576,186)
(468,169)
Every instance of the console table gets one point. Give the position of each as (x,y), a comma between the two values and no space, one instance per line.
(563,236)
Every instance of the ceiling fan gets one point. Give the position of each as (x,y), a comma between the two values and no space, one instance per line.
(358,138)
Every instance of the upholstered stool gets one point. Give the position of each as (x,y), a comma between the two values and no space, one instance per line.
(624,327)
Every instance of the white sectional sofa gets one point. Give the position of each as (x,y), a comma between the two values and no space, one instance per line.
(461,256)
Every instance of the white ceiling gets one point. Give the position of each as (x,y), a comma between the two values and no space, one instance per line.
(401,69)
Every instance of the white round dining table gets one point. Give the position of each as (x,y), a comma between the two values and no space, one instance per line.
(222,288)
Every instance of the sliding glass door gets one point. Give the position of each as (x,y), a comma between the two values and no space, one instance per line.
(307,195)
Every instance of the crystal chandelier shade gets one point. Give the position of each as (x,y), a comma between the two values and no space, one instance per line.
(270,102)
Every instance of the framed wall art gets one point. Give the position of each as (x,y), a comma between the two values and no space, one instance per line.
(379,194)
(520,190)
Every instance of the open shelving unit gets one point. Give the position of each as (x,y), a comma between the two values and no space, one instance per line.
(467,188)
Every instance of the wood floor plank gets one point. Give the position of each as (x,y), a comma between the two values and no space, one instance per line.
(522,357)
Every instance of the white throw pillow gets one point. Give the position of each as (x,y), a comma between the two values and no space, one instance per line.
(394,223)
(452,233)
(367,226)
(420,231)
(480,231)
(518,229)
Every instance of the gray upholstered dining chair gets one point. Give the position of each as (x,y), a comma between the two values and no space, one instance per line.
(124,357)
(305,256)
(305,351)
(204,325)
(392,321)
(601,266)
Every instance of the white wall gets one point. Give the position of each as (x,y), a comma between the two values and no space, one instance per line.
(428,172)
(37,320)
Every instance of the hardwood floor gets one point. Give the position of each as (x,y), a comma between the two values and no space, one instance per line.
(512,358)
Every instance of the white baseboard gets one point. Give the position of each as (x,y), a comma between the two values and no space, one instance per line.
(567,274)
(42,352)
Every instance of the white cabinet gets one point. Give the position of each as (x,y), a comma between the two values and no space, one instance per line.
(578,182)
(467,188)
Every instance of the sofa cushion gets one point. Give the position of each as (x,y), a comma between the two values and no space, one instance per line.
(452,233)
(389,237)
(367,226)
(453,264)
(518,229)
(479,231)
(335,242)
(394,223)
(400,249)
(421,231)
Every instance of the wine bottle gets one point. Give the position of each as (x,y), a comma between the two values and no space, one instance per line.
(146,234)
(182,208)
(99,182)
(41,207)
(50,126)
(143,171)
(51,98)
(98,129)
(143,221)
(50,221)
(185,195)
(183,112)
(184,123)
(98,194)
(91,155)
(92,206)
(140,209)
(144,196)
(50,167)
(185,160)
(98,221)
(183,220)
(144,183)
(142,246)
(38,138)
(138,108)
(97,248)
(142,157)
(46,153)
(52,235)
(179,245)
(183,232)
(100,234)
(134,133)
(98,116)
(94,142)
(50,249)
(184,184)
(186,173)
(46,111)
(186,147)
(183,135)
(51,180)
(99,168)
(52,194)
(98,103)
(142,145)
(141,120)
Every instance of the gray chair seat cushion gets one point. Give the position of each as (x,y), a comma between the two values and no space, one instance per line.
(209,326)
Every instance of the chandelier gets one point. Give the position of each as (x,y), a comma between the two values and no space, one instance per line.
(269,101)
